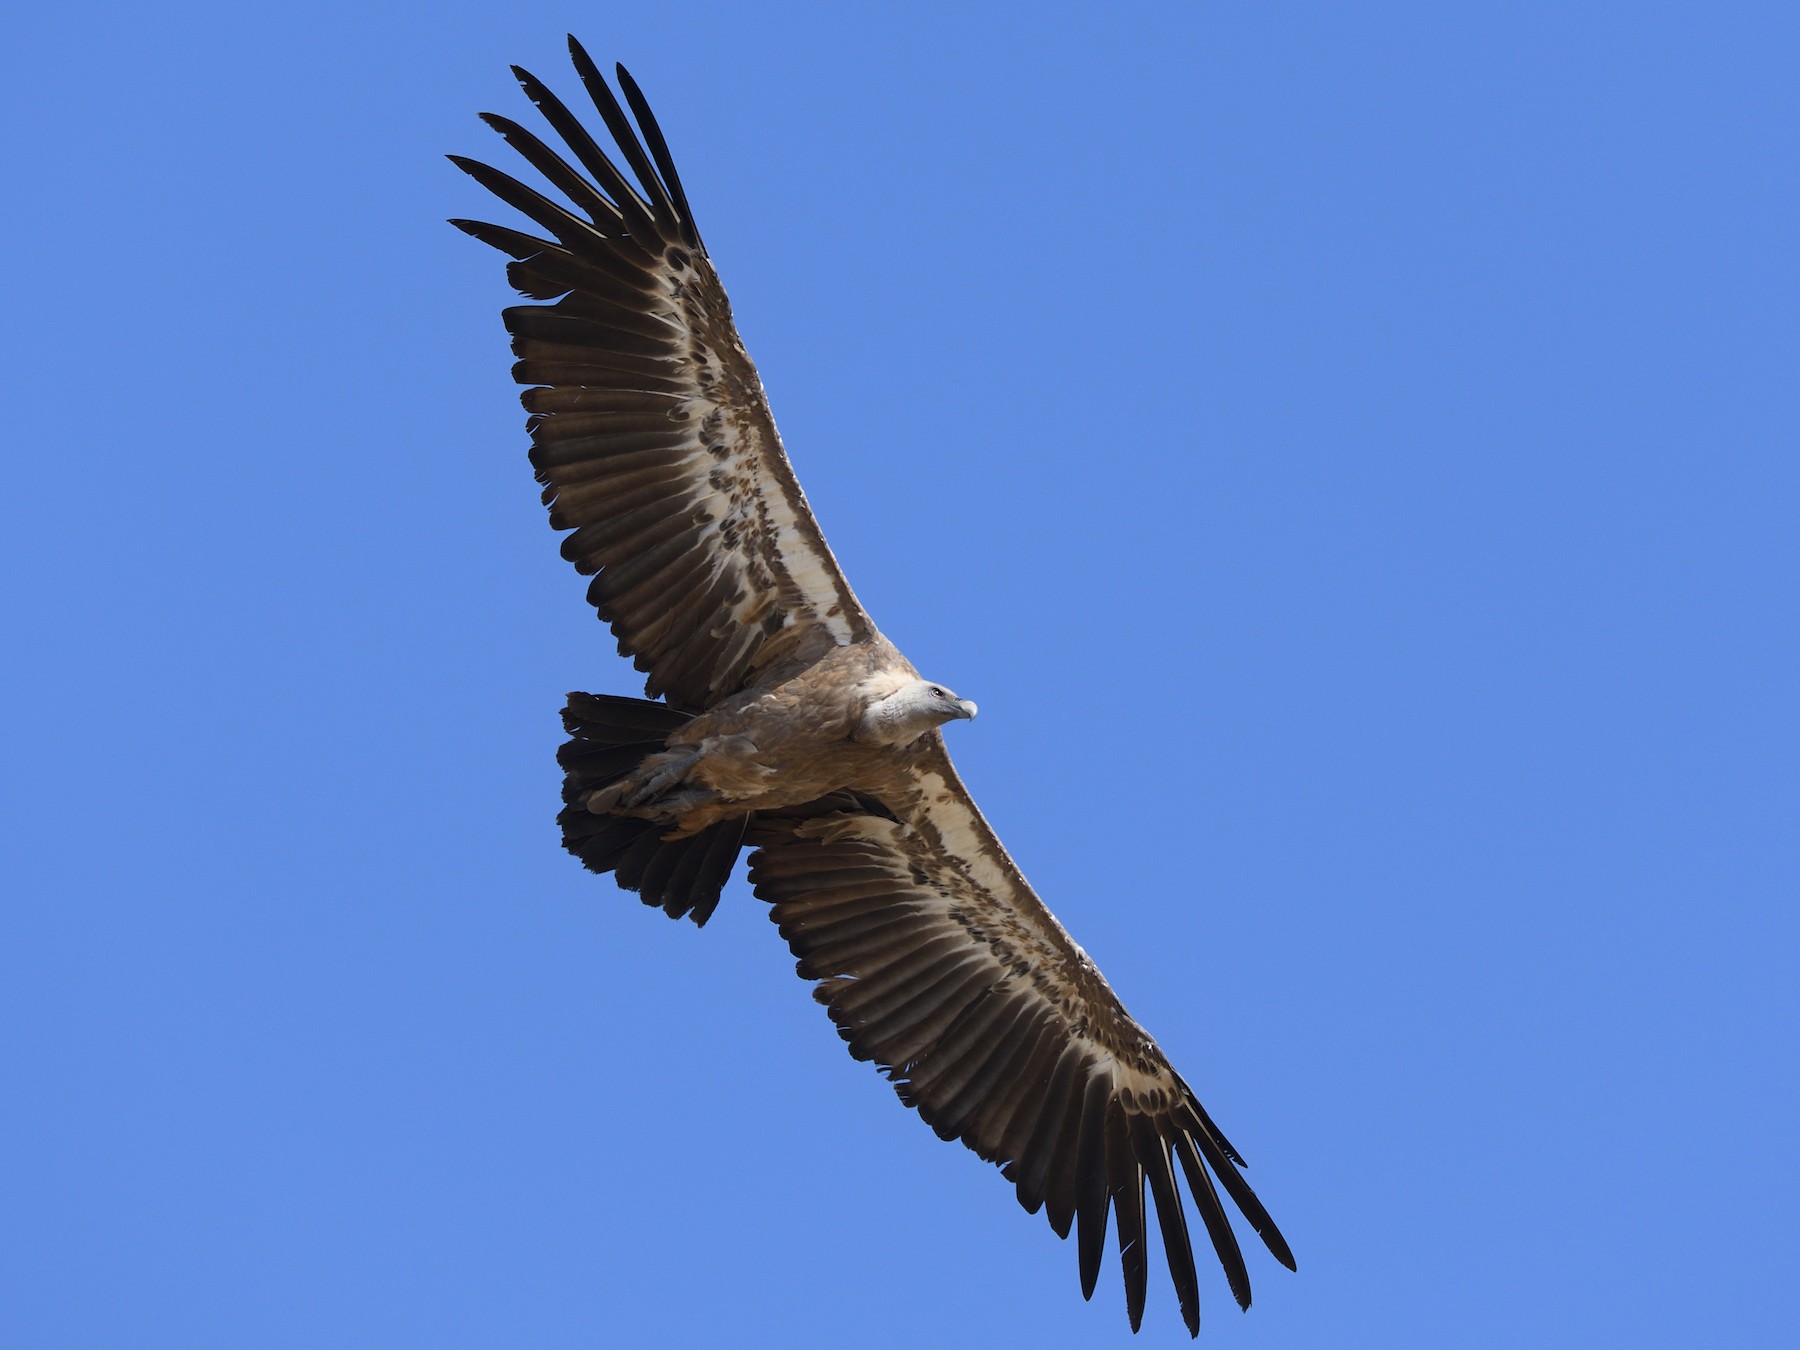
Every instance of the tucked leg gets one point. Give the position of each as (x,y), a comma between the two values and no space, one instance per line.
(656,775)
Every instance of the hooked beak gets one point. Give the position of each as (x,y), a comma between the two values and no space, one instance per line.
(966,708)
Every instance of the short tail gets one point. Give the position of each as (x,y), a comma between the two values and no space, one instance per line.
(609,737)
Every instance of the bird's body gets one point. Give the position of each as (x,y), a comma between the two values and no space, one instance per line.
(787,742)
(778,717)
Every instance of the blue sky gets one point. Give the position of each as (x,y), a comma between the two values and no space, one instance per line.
(1348,451)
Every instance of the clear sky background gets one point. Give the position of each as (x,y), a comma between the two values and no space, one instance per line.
(1348,451)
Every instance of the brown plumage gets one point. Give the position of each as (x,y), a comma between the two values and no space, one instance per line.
(786,721)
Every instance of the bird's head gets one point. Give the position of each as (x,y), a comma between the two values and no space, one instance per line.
(938,703)
(912,710)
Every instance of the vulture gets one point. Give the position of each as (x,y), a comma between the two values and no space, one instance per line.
(778,719)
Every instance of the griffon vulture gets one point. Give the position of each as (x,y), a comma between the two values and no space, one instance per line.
(778,718)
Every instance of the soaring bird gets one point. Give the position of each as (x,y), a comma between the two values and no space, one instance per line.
(777,717)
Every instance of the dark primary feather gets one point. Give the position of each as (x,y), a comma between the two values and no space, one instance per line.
(571,184)
(1152,1152)
(1092,1194)
(660,148)
(1126,1182)
(576,137)
(656,197)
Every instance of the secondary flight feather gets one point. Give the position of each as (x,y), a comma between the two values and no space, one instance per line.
(778,718)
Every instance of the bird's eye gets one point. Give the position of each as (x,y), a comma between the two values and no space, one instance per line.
(938,692)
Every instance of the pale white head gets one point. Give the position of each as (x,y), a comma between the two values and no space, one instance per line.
(910,711)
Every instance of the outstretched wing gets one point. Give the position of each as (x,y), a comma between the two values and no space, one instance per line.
(939,963)
(649,427)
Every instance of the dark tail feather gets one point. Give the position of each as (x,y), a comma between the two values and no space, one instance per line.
(609,737)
